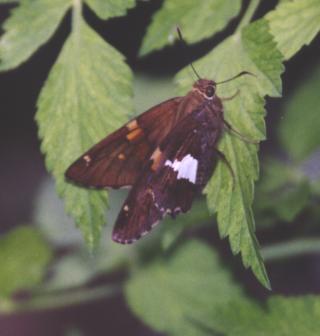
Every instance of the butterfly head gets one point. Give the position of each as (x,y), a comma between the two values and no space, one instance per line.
(207,88)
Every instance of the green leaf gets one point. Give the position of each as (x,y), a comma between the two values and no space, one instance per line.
(30,25)
(207,302)
(197,19)
(283,316)
(299,128)
(294,24)
(87,95)
(24,256)
(252,50)
(169,292)
(106,9)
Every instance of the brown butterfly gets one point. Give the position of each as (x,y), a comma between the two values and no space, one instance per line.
(167,155)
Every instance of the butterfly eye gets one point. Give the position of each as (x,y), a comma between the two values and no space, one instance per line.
(210,91)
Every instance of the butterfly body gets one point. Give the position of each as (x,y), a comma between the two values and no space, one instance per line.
(167,155)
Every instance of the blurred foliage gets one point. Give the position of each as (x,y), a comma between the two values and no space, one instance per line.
(77,74)
(299,128)
(24,255)
(176,287)
(74,332)
(288,187)
(196,19)
(205,301)
(78,266)
(174,284)
(8,1)
(282,193)
(280,316)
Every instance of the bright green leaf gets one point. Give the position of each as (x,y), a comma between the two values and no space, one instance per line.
(30,25)
(299,128)
(294,24)
(87,95)
(254,50)
(110,8)
(24,256)
(171,291)
(196,19)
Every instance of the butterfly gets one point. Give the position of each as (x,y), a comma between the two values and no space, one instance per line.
(167,155)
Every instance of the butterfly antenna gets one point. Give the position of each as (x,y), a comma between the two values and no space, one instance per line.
(184,42)
(242,73)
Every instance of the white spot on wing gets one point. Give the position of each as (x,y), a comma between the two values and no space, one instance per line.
(186,168)
(87,158)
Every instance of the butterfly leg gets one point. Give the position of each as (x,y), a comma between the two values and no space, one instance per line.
(242,137)
(223,158)
(231,97)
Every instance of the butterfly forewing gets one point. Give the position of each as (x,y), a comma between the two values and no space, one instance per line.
(118,160)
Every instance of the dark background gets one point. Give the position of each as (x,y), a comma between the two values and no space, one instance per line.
(22,164)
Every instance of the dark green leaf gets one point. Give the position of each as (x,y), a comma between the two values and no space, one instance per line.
(283,191)
(299,128)
(283,316)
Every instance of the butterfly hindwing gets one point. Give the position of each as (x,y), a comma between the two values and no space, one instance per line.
(177,172)
(118,160)
(138,215)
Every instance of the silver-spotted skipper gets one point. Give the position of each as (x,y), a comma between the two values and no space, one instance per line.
(167,155)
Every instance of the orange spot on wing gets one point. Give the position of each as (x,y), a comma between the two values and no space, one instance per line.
(157,158)
(135,134)
(121,156)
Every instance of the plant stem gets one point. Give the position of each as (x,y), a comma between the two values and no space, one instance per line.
(59,300)
(76,18)
(290,249)
(252,7)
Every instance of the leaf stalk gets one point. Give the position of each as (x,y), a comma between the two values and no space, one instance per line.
(247,17)
(290,249)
